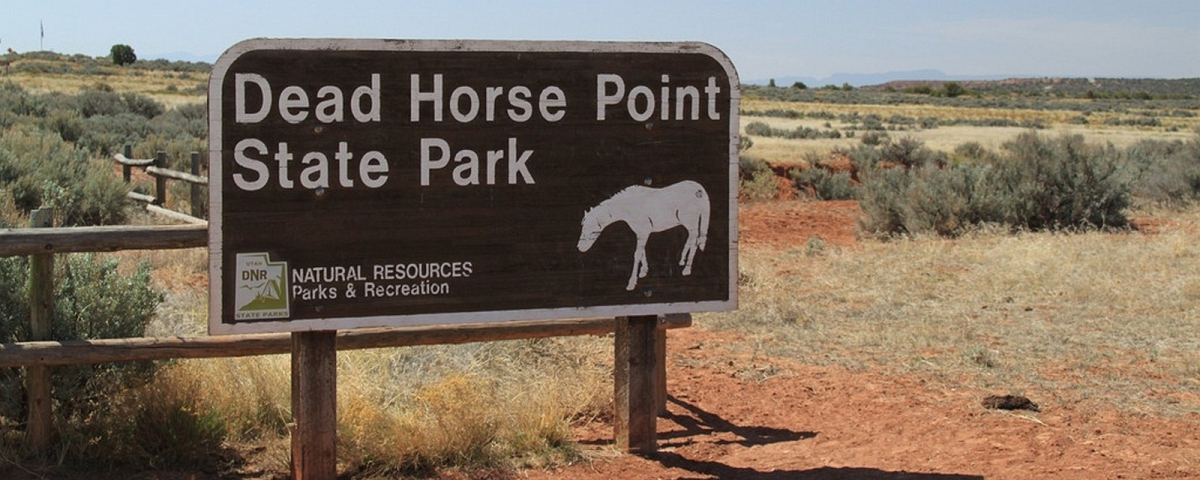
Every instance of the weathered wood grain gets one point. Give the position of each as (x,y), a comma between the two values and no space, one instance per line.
(100,239)
(314,405)
(634,385)
(177,175)
(41,314)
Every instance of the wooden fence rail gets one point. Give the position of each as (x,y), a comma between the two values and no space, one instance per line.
(32,241)
(639,387)
(156,167)
(78,352)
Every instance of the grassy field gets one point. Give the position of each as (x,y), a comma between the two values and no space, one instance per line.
(170,88)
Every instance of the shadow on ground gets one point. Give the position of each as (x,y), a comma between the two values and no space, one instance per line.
(697,422)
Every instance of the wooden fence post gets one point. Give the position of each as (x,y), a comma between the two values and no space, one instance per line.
(41,311)
(197,202)
(314,405)
(125,167)
(635,378)
(160,182)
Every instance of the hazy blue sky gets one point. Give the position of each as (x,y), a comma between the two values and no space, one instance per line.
(765,39)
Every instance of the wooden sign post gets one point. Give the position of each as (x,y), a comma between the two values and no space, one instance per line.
(314,405)
(387,183)
(635,384)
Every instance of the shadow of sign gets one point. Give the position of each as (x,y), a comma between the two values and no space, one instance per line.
(697,422)
(709,469)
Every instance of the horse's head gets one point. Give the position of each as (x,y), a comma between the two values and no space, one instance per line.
(590,231)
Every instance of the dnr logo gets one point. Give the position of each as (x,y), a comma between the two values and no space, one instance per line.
(261,288)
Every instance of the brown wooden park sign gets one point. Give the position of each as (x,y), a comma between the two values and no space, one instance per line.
(393,183)
(365,183)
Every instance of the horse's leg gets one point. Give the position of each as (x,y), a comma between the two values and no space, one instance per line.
(639,262)
(641,255)
(689,249)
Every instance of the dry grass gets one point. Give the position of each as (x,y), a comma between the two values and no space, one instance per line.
(502,404)
(1092,317)
(499,404)
(169,88)
(482,405)
(494,404)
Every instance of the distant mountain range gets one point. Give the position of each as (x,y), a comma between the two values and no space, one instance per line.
(865,79)
(188,57)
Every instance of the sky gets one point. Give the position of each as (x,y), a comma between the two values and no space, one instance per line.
(764,39)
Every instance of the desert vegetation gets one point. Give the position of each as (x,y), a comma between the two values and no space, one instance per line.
(999,249)
(1046,175)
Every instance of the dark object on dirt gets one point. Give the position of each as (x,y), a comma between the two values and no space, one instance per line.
(1009,402)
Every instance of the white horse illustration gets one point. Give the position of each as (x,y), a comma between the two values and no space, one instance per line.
(647,210)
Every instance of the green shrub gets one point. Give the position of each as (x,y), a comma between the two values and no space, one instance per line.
(1035,183)
(40,169)
(824,184)
(761,187)
(944,201)
(17,101)
(99,101)
(873,138)
(799,133)
(758,182)
(872,122)
(749,166)
(1062,183)
(972,151)
(950,90)
(143,105)
(744,143)
(910,152)
(106,133)
(194,111)
(1133,122)
(935,201)
(882,199)
(758,128)
(922,89)
(67,124)
(94,298)
(103,101)
(864,157)
(1165,172)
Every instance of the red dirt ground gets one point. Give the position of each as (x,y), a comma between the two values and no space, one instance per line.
(792,223)
(812,422)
